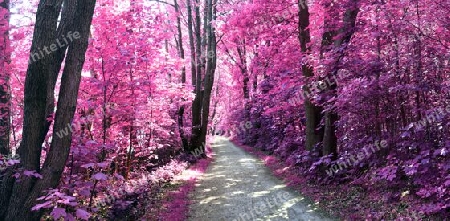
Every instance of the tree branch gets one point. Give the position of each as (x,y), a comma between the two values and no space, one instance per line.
(159,1)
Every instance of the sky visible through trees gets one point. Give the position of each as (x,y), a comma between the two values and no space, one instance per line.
(103,103)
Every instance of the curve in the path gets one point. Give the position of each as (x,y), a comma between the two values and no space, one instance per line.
(238,187)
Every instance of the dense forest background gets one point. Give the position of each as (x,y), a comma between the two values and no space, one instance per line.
(99,97)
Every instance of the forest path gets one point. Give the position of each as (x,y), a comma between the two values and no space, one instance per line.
(237,186)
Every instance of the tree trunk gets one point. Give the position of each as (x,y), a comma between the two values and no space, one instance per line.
(211,65)
(201,104)
(194,63)
(329,139)
(25,192)
(67,17)
(183,138)
(312,112)
(35,99)
(241,50)
(255,83)
(191,43)
(329,135)
(197,103)
(331,117)
(214,113)
(5,56)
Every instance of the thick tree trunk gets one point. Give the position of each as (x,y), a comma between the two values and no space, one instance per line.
(312,112)
(201,104)
(5,114)
(25,192)
(35,99)
(183,138)
(211,65)
(67,16)
(329,135)
(194,63)
(197,103)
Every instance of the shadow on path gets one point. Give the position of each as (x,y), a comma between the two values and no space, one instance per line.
(237,186)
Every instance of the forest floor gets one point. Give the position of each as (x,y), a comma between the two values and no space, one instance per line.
(237,186)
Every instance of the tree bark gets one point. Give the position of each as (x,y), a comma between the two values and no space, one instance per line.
(35,99)
(38,81)
(241,50)
(183,138)
(67,16)
(197,103)
(312,111)
(211,64)
(214,113)
(191,43)
(329,136)
(205,75)
(5,104)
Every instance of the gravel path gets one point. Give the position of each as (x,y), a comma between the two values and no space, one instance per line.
(237,186)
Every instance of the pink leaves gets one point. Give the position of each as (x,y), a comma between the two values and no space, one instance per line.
(19,36)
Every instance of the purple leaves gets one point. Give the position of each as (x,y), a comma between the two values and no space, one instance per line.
(100,176)
(63,206)
(411,169)
(32,173)
(27,173)
(388,173)
(447,182)
(82,214)
(45,205)
(58,213)
(95,165)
